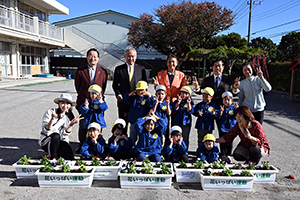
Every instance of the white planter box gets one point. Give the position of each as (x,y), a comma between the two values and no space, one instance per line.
(104,172)
(265,176)
(154,181)
(262,176)
(187,175)
(60,179)
(26,171)
(233,183)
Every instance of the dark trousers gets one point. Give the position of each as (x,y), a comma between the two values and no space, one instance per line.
(123,111)
(254,155)
(259,116)
(226,149)
(57,148)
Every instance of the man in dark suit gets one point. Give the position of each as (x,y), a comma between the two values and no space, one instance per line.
(86,76)
(125,78)
(218,82)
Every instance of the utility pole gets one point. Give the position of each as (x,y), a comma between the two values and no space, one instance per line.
(250,13)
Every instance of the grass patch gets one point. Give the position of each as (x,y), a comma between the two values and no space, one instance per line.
(33,84)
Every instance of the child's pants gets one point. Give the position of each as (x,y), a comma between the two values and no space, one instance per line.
(133,133)
(201,134)
(186,135)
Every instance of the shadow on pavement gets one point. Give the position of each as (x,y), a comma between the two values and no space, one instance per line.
(12,149)
(278,103)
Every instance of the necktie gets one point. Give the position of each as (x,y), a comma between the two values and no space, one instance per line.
(217,82)
(131,78)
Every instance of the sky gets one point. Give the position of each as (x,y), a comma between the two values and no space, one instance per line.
(270,18)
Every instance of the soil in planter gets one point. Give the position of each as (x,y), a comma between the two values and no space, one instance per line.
(31,163)
(72,171)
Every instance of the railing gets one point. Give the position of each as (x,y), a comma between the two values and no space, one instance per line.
(104,46)
(16,20)
(23,22)
(50,30)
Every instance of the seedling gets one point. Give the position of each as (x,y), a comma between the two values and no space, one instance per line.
(199,164)
(65,168)
(24,160)
(45,160)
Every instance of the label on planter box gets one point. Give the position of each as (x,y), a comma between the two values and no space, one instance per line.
(64,178)
(262,175)
(192,175)
(154,180)
(228,182)
(29,170)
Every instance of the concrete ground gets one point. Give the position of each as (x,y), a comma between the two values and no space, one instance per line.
(22,108)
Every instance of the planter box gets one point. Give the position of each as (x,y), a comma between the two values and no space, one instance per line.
(261,176)
(104,172)
(154,181)
(233,183)
(26,171)
(60,179)
(187,175)
(265,176)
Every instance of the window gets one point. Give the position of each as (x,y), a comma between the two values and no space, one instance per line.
(29,10)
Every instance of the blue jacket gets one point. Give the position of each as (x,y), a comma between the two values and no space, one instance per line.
(88,147)
(206,121)
(227,120)
(139,106)
(161,110)
(149,143)
(122,147)
(181,116)
(94,113)
(176,149)
(208,155)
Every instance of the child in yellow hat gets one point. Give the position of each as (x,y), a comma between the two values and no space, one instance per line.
(92,110)
(206,112)
(208,151)
(140,101)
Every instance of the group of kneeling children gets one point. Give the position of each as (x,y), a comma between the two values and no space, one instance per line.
(149,118)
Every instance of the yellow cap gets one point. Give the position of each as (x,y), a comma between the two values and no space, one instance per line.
(186,89)
(95,88)
(210,137)
(208,90)
(141,85)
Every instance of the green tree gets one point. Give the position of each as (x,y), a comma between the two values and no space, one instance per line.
(234,40)
(228,55)
(266,45)
(289,46)
(179,27)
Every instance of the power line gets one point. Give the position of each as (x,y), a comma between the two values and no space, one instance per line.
(277,10)
(236,4)
(280,34)
(276,26)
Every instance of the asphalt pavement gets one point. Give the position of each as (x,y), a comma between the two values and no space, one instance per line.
(24,102)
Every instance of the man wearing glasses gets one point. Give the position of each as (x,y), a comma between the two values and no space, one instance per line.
(86,76)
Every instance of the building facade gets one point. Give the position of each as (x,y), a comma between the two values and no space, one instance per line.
(106,31)
(26,36)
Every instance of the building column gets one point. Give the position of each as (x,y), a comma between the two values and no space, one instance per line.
(14,60)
